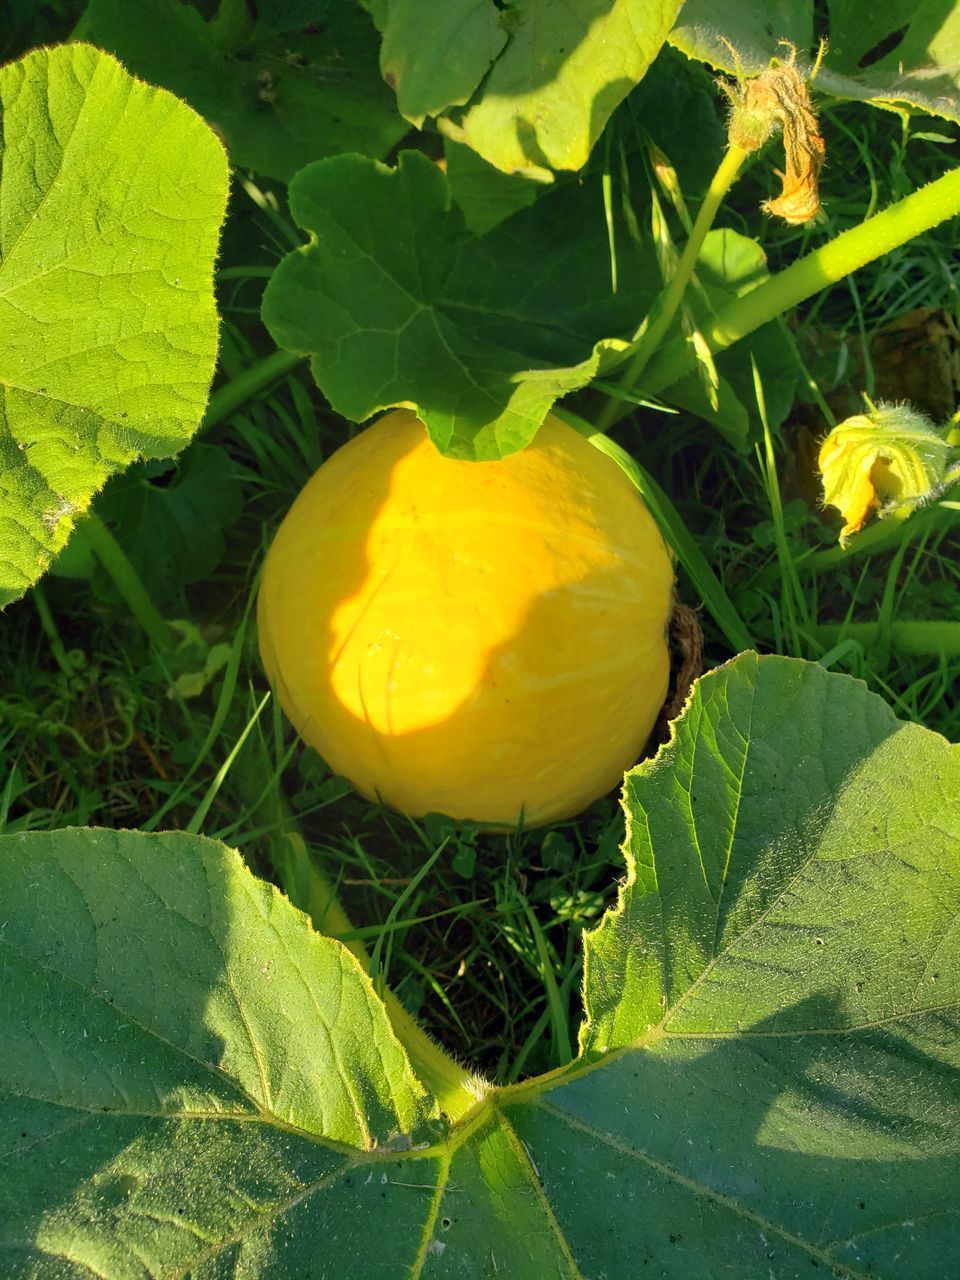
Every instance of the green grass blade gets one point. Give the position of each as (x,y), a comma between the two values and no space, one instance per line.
(227,690)
(198,819)
(559,1020)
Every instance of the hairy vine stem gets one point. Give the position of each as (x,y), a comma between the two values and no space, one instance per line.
(848,252)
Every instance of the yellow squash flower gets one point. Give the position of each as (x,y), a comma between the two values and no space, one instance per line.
(889,460)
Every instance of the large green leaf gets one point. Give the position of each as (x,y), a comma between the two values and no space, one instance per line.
(529,85)
(397,303)
(483,326)
(110,205)
(556,83)
(898,53)
(769,1080)
(437,65)
(780,983)
(185,1064)
(300,83)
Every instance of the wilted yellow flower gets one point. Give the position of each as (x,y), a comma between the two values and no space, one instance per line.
(778,99)
(888,460)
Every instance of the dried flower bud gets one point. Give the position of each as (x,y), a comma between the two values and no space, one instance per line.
(889,460)
(755,112)
(778,99)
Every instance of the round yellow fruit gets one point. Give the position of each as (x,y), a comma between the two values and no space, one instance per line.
(481,639)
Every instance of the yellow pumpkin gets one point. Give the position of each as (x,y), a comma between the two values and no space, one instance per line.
(481,639)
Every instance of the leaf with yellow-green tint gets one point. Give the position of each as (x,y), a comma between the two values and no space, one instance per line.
(562,73)
(111,197)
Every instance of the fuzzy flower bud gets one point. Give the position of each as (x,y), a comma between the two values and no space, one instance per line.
(889,460)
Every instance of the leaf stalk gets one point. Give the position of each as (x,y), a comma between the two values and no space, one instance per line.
(923,638)
(227,399)
(848,252)
(307,886)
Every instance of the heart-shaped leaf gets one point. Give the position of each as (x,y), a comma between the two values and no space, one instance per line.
(397,303)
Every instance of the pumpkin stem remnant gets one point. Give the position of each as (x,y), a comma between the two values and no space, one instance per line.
(686,664)
(778,99)
(890,459)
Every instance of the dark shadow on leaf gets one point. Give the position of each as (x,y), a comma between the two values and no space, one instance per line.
(529,144)
(775,1153)
(882,48)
